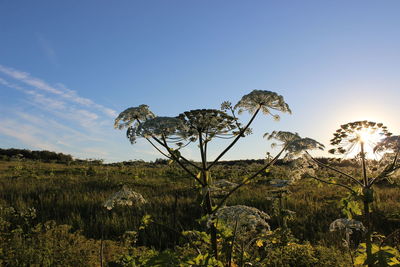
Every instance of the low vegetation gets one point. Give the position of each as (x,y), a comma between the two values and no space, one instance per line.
(52,214)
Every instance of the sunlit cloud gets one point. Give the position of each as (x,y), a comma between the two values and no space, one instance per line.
(61,90)
(55,118)
(26,134)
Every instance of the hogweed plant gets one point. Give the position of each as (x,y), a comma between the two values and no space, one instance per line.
(348,226)
(126,197)
(169,135)
(359,140)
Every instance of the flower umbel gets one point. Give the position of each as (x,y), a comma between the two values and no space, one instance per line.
(131,115)
(248,220)
(346,224)
(352,134)
(266,100)
(125,197)
(295,145)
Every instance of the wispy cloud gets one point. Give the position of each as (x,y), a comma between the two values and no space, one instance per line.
(60,91)
(55,118)
(26,134)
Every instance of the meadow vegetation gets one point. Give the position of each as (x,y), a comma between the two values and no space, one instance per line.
(52,214)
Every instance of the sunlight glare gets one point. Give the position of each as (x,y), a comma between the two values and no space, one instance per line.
(370,138)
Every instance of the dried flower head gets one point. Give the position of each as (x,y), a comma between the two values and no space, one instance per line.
(346,224)
(162,126)
(214,123)
(266,100)
(351,134)
(295,145)
(248,221)
(131,118)
(125,197)
(302,166)
(132,115)
(390,143)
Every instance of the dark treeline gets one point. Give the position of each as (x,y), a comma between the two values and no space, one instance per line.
(43,155)
(49,156)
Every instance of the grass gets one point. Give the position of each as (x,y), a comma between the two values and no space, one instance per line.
(74,194)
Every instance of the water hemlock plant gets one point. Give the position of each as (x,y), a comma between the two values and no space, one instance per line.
(168,135)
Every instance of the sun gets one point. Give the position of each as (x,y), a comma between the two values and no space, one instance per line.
(369,138)
(351,138)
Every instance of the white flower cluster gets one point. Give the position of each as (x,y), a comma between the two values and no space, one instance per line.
(161,126)
(248,221)
(301,167)
(346,224)
(295,145)
(267,100)
(211,121)
(125,197)
(129,116)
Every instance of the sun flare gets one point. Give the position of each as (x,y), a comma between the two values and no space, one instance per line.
(369,138)
(352,137)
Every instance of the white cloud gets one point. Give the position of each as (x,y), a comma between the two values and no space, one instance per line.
(55,118)
(26,134)
(62,91)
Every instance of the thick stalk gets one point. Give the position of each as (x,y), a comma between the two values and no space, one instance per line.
(368,242)
(366,202)
(207,197)
(364,167)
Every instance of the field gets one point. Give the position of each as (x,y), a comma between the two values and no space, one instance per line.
(52,214)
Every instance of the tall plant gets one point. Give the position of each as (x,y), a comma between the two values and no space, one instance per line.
(168,135)
(355,139)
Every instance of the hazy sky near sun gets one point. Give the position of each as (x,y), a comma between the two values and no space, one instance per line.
(67,68)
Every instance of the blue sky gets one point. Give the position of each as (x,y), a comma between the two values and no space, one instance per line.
(67,68)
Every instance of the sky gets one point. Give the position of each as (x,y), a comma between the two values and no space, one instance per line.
(68,68)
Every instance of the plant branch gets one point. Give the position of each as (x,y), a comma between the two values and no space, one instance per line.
(169,151)
(240,134)
(159,150)
(341,185)
(386,171)
(334,169)
(174,157)
(246,181)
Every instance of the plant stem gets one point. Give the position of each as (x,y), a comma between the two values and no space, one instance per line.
(366,200)
(207,197)
(364,168)
(235,140)
(336,170)
(245,181)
